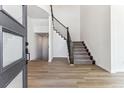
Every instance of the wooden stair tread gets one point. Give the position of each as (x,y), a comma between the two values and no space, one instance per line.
(80,54)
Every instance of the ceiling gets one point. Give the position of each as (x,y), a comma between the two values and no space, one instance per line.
(36,12)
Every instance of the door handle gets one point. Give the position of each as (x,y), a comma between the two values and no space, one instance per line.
(28,57)
(27,53)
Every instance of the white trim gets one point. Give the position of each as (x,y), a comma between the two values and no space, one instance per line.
(117,70)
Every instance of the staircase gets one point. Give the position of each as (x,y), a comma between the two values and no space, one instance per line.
(77,51)
(81,55)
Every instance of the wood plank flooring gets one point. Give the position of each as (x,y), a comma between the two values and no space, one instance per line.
(59,74)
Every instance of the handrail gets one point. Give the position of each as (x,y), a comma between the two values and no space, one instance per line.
(53,17)
(51,11)
(68,37)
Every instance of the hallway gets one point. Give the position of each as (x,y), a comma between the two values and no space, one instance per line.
(59,74)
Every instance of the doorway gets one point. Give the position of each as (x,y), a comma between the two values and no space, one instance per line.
(14,34)
(43,46)
(38,29)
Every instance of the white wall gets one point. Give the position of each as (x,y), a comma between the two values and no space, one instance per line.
(50,40)
(95,31)
(59,46)
(31,40)
(117,38)
(45,8)
(69,15)
(35,11)
(40,25)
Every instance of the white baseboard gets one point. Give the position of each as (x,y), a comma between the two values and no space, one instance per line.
(117,70)
(50,60)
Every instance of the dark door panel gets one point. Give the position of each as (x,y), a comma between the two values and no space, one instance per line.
(9,25)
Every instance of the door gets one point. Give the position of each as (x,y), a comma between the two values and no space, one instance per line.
(45,47)
(13,38)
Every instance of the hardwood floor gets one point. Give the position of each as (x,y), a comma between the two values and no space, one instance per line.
(59,74)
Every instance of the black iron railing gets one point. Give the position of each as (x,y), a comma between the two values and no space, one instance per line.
(64,32)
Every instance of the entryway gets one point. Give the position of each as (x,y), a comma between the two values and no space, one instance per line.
(38,33)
